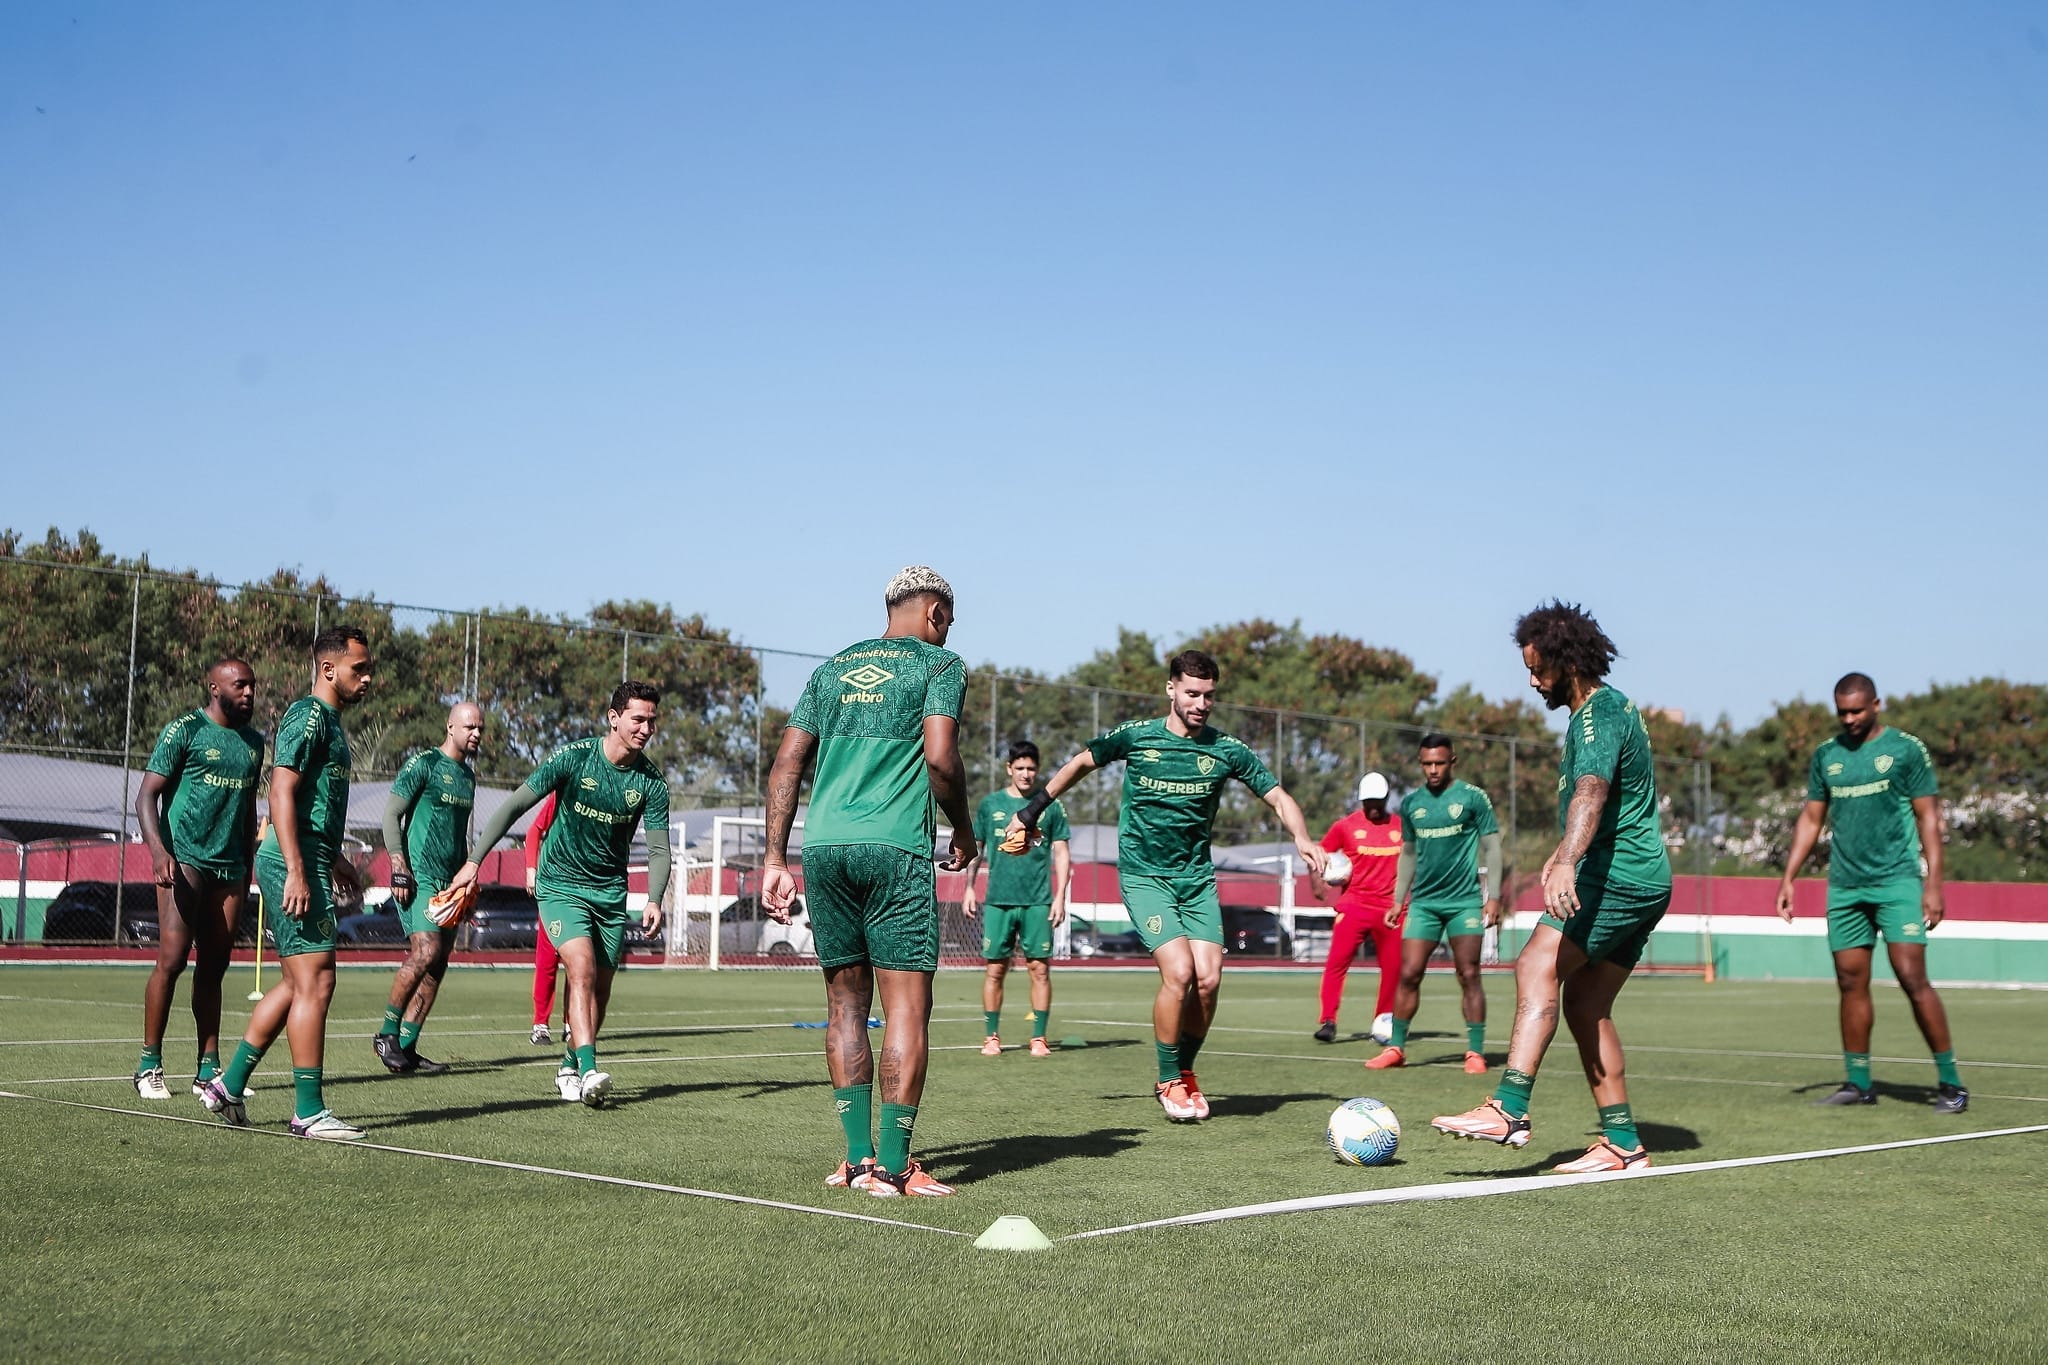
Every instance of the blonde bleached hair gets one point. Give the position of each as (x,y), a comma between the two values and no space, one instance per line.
(914,579)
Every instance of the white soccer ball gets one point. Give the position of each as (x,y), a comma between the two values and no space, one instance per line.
(1336,870)
(1363,1132)
(1382,1031)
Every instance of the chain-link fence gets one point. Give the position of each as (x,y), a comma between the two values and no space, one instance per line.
(101,658)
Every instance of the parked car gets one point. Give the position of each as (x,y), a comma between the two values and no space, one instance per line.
(1087,939)
(1255,933)
(505,917)
(83,912)
(376,927)
(745,930)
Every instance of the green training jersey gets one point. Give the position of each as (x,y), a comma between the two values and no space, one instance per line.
(598,807)
(210,774)
(1023,878)
(1172,786)
(311,743)
(438,792)
(867,706)
(1869,789)
(1606,738)
(1443,829)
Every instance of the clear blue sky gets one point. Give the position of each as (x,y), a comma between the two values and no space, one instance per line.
(1728,320)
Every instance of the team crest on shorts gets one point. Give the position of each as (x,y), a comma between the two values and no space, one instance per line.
(1154,924)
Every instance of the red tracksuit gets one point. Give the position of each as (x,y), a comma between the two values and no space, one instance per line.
(1373,846)
(545,959)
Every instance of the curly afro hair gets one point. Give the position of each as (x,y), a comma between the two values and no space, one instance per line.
(1566,634)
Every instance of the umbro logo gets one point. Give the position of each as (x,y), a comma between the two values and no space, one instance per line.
(588,784)
(867,677)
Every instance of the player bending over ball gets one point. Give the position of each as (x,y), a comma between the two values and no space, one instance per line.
(1604,889)
(1027,898)
(883,715)
(197,813)
(1447,831)
(1174,770)
(605,788)
(295,867)
(1371,840)
(426,828)
(1876,786)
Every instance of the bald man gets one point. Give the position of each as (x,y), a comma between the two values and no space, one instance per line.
(197,812)
(426,829)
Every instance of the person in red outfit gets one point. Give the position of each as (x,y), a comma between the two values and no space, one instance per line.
(545,961)
(1371,839)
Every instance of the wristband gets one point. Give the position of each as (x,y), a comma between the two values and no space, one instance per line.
(1029,812)
(402,881)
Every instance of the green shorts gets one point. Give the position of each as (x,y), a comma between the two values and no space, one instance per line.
(1166,908)
(875,904)
(413,918)
(1006,928)
(1431,923)
(568,913)
(1856,915)
(1612,923)
(314,933)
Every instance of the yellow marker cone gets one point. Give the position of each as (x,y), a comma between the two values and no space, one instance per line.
(1013,1232)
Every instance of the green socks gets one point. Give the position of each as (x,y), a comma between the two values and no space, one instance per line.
(1188,1048)
(1858,1066)
(1400,1038)
(1169,1061)
(1618,1126)
(152,1060)
(569,1058)
(1513,1092)
(1475,1036)
(236,1078)
(408,1033)
(209,1066)
(586,1060)
(856,1106)
(306,1091)
(392,1015)
(1039,1019)
(1945,1068)
(897,1121)
(992,1018)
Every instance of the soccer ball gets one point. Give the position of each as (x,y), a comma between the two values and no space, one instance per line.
(1363,1132)
(1336,870)
(1382,1031)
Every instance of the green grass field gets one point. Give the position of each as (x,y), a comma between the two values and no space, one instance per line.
(133,1237)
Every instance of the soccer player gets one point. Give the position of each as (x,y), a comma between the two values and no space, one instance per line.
(547,963)
(1604,888)
(1174,770)
(1371,839)
(1027,899)
(884,718)
(426,828)
(197,813)
(605,787)
(295,870)
(1447,831)
(1875,785)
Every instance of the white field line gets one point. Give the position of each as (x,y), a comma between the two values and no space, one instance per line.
(507,1033)
(590,1176)
(1479,1189)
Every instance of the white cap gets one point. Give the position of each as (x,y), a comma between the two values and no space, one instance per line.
(1372,787)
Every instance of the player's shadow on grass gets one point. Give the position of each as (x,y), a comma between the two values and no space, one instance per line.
(622,1096)
(971,1161)
(1886,1090)
(1663,1140)
(1258,1106)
